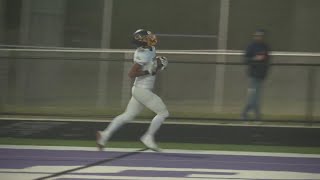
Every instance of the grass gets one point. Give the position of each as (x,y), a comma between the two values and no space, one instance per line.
(93,112)
(186,146)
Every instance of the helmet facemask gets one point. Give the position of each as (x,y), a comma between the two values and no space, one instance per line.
(151,39)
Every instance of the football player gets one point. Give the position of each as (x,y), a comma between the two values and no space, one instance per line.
(144,70)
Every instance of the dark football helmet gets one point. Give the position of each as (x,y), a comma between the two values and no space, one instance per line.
(144,38)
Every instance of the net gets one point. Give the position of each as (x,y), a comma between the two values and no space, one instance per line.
(197,84)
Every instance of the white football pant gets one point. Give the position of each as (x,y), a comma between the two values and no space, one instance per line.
(140,97)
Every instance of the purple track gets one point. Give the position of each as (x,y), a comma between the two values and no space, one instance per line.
(157,165)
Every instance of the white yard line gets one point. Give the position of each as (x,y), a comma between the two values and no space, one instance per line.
(192,173)
(238,153)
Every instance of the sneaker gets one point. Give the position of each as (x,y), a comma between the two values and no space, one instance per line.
(148,141)
(99,144)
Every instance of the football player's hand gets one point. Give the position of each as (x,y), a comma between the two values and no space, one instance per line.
(162,62)
(259,57)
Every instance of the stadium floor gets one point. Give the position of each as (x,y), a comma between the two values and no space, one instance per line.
(70,163)
(64,150)
(245,134)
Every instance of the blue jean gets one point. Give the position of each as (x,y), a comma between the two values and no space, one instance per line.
(254,93)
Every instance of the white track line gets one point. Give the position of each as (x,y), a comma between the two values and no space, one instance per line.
(237,153)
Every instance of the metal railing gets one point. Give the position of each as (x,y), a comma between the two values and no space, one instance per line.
(197,85)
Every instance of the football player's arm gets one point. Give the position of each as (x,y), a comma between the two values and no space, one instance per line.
(136,71)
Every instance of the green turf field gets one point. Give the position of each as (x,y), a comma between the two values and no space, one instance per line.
(175,112)
(186,146)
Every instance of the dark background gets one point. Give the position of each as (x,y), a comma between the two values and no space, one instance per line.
(292,25)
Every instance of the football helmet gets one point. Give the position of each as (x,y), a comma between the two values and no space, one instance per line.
(144,38)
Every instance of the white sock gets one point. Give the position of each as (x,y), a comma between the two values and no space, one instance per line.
(115,124)
(155,124)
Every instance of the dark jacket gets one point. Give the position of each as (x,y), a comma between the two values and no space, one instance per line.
(257,68)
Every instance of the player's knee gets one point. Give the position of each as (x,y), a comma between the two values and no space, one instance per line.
(164,113)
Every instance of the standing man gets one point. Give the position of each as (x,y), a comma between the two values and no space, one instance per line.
(144,70)
(258,60)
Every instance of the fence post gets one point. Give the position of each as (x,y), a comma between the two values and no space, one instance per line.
(310,94)
(102,94)
(222,45)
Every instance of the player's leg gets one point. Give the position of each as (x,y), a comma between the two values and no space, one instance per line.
(154,103)
(134,107)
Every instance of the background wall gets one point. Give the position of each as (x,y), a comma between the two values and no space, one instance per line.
(80,84)
(291,24)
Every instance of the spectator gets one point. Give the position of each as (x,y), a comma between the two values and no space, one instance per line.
(258,60)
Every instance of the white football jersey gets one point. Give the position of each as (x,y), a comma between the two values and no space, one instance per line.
(144,57)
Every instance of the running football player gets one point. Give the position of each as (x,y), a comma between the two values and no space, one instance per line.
(144,70)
